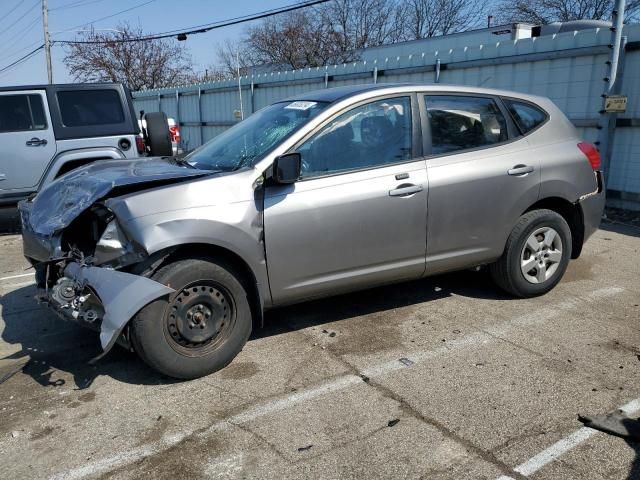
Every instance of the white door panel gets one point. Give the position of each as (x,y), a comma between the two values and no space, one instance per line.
(27,139)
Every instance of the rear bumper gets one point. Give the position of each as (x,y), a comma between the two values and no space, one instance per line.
(593,207)
(102,298)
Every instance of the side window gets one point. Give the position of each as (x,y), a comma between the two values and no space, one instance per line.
(526,115)
(461,122)
(82,108)
(19,113)
(371,135)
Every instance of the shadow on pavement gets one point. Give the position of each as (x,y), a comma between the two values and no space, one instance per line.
(621,228)
(54,345)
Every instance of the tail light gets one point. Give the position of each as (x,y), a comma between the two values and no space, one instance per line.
(174,131)
(591,152)
(140,144)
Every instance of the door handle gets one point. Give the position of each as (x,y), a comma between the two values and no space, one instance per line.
(36,142)
(405,190)
(520,170)
(2,177)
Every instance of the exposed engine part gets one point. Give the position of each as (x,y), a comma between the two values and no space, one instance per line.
(64,291)
(71,299)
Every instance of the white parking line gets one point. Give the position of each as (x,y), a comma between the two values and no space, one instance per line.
(339,383)
(17,276)
(561,447)
(18,285)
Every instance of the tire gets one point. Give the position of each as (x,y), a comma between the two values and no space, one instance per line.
(202,326)
(545,267)
(158,134)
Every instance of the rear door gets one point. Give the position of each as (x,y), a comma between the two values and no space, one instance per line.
(358,215)
(482,177)
(27,141)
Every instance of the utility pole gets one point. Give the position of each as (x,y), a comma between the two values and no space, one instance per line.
(607,122)
(47,40)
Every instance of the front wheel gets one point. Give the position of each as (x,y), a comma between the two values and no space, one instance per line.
(536,255)
(202,327)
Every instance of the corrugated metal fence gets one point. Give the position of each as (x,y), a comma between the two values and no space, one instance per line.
(569,68)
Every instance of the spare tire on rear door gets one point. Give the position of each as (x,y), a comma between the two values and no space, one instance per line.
(158,137)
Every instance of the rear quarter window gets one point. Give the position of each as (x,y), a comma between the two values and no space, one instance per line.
(90,107)
(528,117)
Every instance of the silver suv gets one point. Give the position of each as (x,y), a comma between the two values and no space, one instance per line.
(324,193)
(49,130)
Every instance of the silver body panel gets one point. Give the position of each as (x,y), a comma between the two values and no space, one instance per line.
(343,232)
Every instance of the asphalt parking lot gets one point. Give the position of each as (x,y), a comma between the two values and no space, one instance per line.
(440,378)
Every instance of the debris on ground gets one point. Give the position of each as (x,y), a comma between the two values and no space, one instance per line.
(617,424)
(302,449)
(393,422)
(405,361)
(9,369)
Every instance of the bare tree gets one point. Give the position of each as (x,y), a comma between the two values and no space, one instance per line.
(295,40)
(363,23)
(337,31)
(232,55)
(428,18)
(138,64)
(547,11)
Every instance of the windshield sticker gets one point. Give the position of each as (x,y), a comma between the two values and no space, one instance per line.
(299,105)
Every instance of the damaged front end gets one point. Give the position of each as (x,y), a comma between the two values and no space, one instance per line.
(87,270)
(103,298)
(84,273)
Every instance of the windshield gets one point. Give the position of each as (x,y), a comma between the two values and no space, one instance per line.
(248,141)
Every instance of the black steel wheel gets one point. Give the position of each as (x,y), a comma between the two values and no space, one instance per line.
(201,327)
(199,317)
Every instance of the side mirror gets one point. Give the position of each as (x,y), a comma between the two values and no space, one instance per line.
(286,168)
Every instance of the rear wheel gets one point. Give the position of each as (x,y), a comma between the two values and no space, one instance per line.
(202,327)
(536,255)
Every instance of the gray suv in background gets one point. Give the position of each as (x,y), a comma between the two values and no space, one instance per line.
(324,193)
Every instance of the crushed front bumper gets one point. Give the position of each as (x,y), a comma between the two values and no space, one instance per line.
(103,298)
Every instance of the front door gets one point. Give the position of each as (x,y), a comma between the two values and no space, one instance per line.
(27,139)
(358,215)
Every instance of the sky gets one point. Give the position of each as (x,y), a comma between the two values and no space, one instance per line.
(21,28)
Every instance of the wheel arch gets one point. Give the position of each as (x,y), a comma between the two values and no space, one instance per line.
(190,250)
(572,214)
(66,161)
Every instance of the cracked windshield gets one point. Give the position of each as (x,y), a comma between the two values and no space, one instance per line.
(250,140)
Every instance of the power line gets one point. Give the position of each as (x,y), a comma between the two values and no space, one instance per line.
(113,14)
(15,22)
(12,10)
(201,28)
(24,58)
(80,3)
(19,35)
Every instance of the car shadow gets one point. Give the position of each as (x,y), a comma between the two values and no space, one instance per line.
(622,228)
(55,346)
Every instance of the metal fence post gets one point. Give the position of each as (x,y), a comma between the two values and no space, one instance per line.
(606,124)
(253,107)
(200,127)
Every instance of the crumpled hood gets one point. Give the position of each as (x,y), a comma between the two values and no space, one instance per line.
(57,205)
